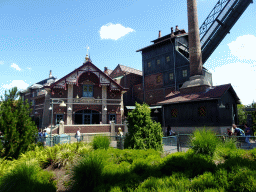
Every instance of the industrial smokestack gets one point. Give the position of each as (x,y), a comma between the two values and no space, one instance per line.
(195,55)
(197,81)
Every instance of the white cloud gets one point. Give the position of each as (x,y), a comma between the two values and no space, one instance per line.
(28,68)
(15,66)
(1,62)
(243,47)
(241,76)
(20,84)
(114,31)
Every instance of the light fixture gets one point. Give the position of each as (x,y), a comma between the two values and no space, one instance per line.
(77,96)
(50,108)
(69,109)
(105,108)
(156,111)
(63,104)
(222,106)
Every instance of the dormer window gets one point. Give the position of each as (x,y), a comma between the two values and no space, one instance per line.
(87,90)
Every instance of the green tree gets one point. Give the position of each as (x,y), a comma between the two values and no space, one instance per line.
(242,116)
(18,129)
(144,133)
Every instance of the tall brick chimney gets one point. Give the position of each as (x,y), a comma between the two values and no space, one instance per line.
(197,82)
(159,34)
(195,56)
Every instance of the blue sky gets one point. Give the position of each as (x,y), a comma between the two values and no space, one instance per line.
(43,35)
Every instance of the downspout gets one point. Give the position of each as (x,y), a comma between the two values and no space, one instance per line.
(174,66)
(143,81)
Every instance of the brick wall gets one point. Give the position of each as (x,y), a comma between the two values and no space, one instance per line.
(87,128)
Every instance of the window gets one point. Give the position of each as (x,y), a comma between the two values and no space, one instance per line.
(167,58)
(171,76)
(174,113)
(158,62)
(59,117)
(149,64)
(87,90)
(184,73)
(33,102)
(158,79)
(112,117)
(33,94)
(202,111)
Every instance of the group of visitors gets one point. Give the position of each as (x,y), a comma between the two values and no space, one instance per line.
(242,134)
(42,135)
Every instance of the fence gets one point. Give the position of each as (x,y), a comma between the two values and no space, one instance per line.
(171,144)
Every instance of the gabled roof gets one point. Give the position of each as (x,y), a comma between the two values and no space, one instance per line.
(130,70)
(72,77)
(214,92)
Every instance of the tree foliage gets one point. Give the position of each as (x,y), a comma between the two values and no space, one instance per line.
(18,129)
(242,116)
(144,133)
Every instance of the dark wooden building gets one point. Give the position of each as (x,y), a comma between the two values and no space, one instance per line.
(215,108)
(165,66)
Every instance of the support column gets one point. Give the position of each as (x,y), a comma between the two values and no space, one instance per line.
(46,112)
(70,100)
(104,104)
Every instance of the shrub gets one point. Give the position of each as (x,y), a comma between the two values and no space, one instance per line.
(188,163)
(100,142)
(28,176)
(203,182)
(144,133)
(87,173)
(204,141)
(242,179)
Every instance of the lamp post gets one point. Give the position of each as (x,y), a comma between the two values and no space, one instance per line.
(63,104)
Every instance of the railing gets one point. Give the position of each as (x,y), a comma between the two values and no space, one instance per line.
(86,100)
(171,144)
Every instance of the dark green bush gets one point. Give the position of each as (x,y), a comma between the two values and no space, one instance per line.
(188,163)
(100,142)
(242,179)
(203,182)
(26,177)
(87,173)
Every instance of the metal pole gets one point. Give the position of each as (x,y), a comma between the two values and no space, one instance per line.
(51,126)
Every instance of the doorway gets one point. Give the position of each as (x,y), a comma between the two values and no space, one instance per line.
(87,117)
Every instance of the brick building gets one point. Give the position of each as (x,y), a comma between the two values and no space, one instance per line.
(85,96)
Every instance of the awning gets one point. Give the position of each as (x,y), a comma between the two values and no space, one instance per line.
(153,107)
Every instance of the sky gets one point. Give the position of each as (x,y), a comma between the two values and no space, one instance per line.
(43,35)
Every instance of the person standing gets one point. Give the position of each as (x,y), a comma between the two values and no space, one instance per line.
(248,133)
(45,135)
(170,132)
(78,135)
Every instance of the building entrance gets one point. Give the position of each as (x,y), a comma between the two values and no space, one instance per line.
(87,117)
